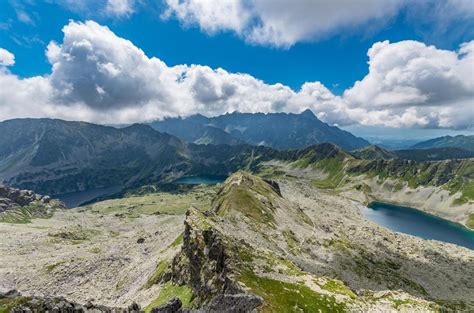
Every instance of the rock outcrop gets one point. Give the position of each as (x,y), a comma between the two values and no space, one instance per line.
(11,198)
(13,301)
(18,205)
(205,263)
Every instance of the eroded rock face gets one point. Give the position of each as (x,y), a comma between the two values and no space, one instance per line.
(242,302)
(202,261)
(205,265)
(274,185)
(11,198)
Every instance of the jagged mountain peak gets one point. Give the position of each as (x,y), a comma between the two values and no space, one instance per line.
(275,130)
(308,113)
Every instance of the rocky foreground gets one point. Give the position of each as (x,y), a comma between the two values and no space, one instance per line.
(257,245)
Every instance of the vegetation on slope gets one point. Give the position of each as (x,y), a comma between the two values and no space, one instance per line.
(237,196)
(215,258)
(169,291)
(280,296)
(26,213)
(460,141)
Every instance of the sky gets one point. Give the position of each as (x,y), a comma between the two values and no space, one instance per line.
(390,68)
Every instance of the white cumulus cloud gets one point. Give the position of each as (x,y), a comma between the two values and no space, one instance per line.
(282,23)
(6,57)
(419,84)
(99,77)
(119,8)
(279,22)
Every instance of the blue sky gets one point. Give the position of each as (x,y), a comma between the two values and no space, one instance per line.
(337,61)
(333,52)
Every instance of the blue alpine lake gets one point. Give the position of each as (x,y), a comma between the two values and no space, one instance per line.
(198,180)
(75,199)
(417,223)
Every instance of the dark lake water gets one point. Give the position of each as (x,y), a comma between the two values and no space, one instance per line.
(197,180)
(75,199)
(417,223)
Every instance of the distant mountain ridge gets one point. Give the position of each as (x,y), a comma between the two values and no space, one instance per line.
(275,130)
(55,156)
(460,141)
(374,152)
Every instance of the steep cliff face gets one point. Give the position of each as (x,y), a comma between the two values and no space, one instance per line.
(208,265)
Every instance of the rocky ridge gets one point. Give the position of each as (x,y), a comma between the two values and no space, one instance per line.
(267,251)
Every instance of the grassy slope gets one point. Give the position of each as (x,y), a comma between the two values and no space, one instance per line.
(455,176)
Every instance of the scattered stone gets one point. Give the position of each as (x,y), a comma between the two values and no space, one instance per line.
(141,240)
(10,294)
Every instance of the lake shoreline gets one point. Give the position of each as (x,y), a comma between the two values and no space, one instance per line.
(430,213)
(415,222)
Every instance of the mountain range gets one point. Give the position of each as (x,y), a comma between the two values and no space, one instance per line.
(459,141)
(374,152)
(275,130)
(55,156)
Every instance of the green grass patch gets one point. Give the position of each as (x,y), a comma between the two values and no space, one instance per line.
(8,304)
(169,291)
(155,277)
(95,250)
(333,167)
(337,286)
(75,235)
(240,198)
(290,268)
(114,234)
(268,171)
(291,241)
(51,267)
(341,245)
(470,221)
(397,303)
(467,193)
(156,203)
(178,241)
(245,254)
(24,215)
(281,296)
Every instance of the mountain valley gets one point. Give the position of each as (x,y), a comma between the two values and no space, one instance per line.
(252,243)
(284,232)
